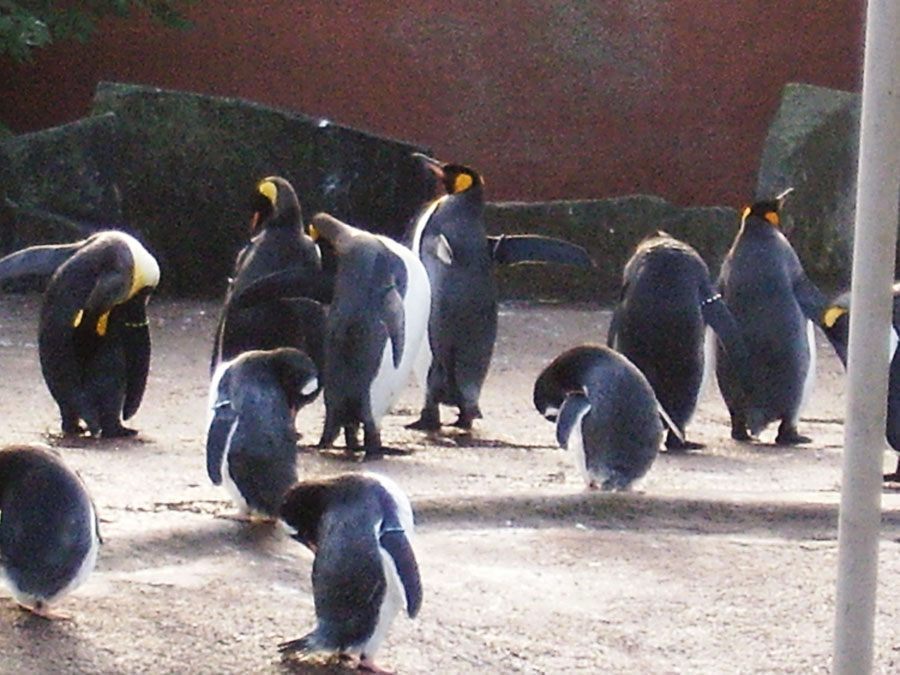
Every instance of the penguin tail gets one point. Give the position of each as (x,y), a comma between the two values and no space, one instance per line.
(304,645)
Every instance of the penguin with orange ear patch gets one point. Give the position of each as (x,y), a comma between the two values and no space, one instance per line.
(93,341)
(775,305)
(449,237)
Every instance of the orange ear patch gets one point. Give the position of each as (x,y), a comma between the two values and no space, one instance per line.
(772,217)
(462,182)
(269,190)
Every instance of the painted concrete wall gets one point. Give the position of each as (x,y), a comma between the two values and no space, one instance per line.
(564,99)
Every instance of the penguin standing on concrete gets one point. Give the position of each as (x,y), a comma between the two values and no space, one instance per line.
(94,339)
(667,300)
(49,537)
(279,242)
(375,328)
(251,440)
(450,238)
(605,412)
(836,325)
(774,304)
(359,526)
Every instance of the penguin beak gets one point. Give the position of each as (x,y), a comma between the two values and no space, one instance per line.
(254,222)
(436,166)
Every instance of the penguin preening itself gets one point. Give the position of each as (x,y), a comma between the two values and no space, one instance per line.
(836,325)
(774,304)
(49,536)
(450,238)
(251,438)
(94,339)
(666,301)
(359,526)
(278,242)
(375,328)
(605,412)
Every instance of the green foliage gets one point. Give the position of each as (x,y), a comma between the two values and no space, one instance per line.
(26,25)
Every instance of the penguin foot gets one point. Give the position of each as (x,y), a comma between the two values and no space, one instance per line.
(43,610)
(367,665)
(70,429)
(466,417)
(891,477)
(675,444)
(383,451)
(789,436)
(119,432)
(740,434)
(429,420)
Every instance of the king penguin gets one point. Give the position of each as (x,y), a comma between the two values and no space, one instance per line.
(279,241)
(836,325)
(94,339)
(449,236)
(251,438)
(49,536)
(659,323)
(774,304)
(605,412)
(375,328)
(360,527)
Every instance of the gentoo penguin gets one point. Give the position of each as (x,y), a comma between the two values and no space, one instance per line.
(605,412)
(666,301)
(278,242)
(375,328)
(94,340)
(359,526)
(836,325)
(450,238)
(774,304)
(251,439)
(49,536)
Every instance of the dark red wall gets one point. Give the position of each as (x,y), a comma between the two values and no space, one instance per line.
(549,99)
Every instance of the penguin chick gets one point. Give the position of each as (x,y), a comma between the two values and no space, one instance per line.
(836,325)
(605,412)
(359,526)
(375,328)
(449,237)
(49,537)
(251,439)
(278,242)
(774,304)
(666,301)
(94,339)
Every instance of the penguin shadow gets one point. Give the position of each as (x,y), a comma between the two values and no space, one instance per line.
(316,665)
(59,440)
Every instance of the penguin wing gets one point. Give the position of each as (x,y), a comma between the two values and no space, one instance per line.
(716,313)
(299,281)
(218,437)
(532,248)
(394,318)
(40,261)
(393,540)
(810,298)
(297,376)
(573,408)
(136,343)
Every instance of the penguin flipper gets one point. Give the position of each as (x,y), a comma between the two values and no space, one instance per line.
(297,376)
(532,248)
(217,438)
(811,300)
(39,261)
(303,282)
(612,336)
(307,643)
(394,541)
(136,341)
(717,315)
(570,412)
(393,317)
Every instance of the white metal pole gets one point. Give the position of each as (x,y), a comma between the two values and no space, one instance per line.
(878,189)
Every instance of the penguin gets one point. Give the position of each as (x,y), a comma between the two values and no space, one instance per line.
(666,301)
(94,338)
(449,236)
(359,526)
(775,306)
(49,536)
(836,326)
(605,412)
(279,241)
(375,327)
(251,439)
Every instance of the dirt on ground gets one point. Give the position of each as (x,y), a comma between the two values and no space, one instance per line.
(722,560)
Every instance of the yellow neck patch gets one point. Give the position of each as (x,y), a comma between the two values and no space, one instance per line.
(832,314)
(269,190)
(462,182)
(102,323)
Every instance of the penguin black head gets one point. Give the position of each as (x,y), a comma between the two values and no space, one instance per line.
(768,210)
(274,202)
(456,178)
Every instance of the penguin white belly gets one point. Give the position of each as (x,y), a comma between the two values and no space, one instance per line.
(390,381)
(89,562)
(393,601)
(230,486)
(404,508)
(575,444)
(810,382)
